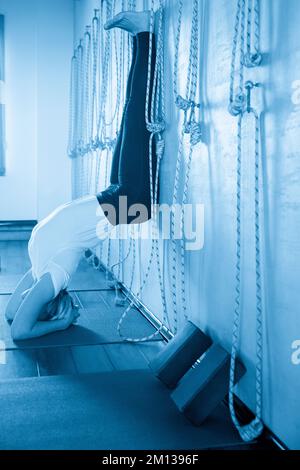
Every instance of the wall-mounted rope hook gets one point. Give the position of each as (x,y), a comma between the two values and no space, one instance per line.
(252,59)
(249,85)
(192,126)
(238,105)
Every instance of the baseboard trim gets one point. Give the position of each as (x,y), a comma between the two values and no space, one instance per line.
(12,230)
(17,224)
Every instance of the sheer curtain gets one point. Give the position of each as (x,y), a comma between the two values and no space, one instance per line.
(2,105)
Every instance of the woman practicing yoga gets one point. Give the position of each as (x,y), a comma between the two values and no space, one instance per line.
(40,303)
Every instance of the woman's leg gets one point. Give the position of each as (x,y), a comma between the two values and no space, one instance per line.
(114,175)
(17,297)
(134,161)
(134,173)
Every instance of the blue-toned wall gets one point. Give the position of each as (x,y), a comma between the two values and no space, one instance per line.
(39,35)
(210,272)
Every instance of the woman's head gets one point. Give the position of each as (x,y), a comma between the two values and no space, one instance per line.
(60,306)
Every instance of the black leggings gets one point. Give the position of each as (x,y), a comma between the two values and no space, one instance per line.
(130,174)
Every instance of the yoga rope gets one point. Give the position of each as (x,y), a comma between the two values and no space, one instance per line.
(79,148)
(120,275)
(240,105)
(72,106)
(120,301)
(190,126)
(94,100)
(97,39)
(157,126)
(118,64)
(103,51)
(253,56)
(112,123)
(86,106)
(155,122)
(101,137)
(75,106)
(110,12)
(87,138)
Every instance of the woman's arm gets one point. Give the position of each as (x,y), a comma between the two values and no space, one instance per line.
(26,322)
(16,298)
(41,328)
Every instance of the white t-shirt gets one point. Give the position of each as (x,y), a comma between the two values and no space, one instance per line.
(58,241)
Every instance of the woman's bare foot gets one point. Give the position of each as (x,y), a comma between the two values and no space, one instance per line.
(133,22)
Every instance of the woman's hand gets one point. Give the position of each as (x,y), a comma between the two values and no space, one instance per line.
(64,310)
(69,311)
(70,317)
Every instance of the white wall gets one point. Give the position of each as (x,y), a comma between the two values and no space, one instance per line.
(210,272)
(39,35)
(54,45)
(18,188)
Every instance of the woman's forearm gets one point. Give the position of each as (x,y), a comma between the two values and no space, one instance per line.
(17,297)
(26,322)
(42,328)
